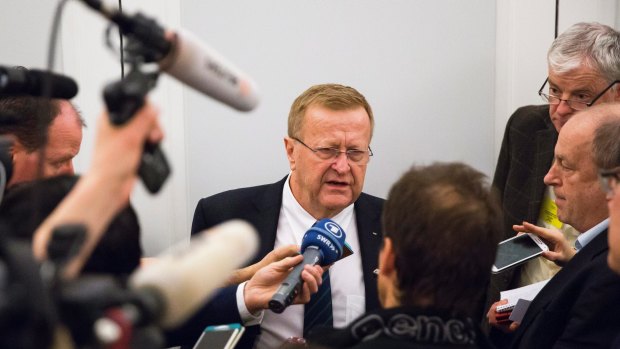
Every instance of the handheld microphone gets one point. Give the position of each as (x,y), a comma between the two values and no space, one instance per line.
(31,82)
(183,278)
(322,244)
(185,58)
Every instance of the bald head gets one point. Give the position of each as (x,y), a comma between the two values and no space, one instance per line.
(573,175)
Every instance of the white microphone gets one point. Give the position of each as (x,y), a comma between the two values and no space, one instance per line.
(204,69)
(183,278)
(187,59)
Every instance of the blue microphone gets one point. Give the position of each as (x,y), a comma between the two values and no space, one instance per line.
(322,244)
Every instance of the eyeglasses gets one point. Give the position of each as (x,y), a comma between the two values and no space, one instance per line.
(572,103)
(608,179)
(360,157)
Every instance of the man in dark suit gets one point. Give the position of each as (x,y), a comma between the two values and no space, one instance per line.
(441,229)
(578,306)
(328,147)
(607,138)
(583,62)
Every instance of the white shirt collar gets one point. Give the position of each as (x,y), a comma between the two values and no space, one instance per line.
(584,238)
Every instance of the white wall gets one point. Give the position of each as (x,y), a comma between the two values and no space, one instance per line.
(442,77)
(426,67)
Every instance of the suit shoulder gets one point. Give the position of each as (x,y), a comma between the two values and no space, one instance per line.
(530,118)
(240,195)
(233,194)
(370,201)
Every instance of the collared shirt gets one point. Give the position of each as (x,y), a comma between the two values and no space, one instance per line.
(346,277)
(585,238)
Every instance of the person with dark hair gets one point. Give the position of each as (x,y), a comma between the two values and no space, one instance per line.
(577,307)
(40,127)
(26,205)
(441,227)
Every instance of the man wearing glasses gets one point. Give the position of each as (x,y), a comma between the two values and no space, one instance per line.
(328,148)
(577,307)
(583,70)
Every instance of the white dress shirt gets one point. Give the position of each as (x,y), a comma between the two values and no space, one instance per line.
(346,277)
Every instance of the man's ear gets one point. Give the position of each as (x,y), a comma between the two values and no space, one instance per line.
(387,258)
(290,147)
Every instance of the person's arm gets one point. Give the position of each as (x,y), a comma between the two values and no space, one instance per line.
(560,251)
(244,274)
(104,189)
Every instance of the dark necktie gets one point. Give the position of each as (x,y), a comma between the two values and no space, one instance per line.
(318,312)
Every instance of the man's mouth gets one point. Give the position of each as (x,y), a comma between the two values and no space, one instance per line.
(337,183)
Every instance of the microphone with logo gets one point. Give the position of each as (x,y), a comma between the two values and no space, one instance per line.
(322,244)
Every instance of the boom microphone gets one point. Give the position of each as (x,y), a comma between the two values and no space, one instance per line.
(322,244)
(186,59)
(31,82)
(183,279)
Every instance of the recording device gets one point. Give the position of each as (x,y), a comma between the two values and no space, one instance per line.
(185,58)
(322,244)
(517,250)
(220,337)
(20,81)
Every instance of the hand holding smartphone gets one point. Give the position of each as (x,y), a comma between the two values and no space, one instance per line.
(517,250)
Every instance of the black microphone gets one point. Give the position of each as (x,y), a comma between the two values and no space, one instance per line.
(31,82)
(185,58)
(322,244)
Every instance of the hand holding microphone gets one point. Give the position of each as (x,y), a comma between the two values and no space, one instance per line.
(323,244)
(261,287)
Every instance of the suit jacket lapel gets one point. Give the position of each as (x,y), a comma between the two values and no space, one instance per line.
(267,208)
(545,143)
(369,234)
(594,248)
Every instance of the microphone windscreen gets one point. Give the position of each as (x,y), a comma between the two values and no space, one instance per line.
(185,277)
(32,82)
(194,63)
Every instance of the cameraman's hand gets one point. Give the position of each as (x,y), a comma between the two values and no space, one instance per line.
(118,149)
(261,287)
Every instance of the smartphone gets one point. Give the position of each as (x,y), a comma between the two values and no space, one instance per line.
(517,250)
(220,337)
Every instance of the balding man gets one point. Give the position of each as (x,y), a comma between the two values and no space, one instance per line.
(41,127)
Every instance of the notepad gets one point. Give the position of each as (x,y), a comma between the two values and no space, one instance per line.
(526,292)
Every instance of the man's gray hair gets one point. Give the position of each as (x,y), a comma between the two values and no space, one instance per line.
(591,44)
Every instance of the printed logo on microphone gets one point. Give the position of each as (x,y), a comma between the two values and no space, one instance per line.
(334,229)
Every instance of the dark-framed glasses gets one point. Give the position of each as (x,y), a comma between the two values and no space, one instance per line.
(575,104)
(360,157)
(608,179)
